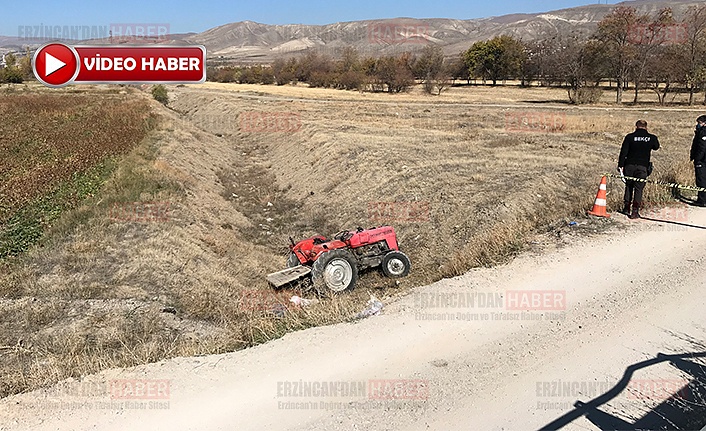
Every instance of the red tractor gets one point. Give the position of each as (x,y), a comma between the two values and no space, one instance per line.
(334,264)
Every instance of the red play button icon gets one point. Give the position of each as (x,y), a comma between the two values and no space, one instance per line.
(55,64)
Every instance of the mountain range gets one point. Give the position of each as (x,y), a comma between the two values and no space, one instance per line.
(252,42)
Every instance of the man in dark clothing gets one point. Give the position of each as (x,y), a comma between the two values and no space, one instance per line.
(698,155)
(634,161)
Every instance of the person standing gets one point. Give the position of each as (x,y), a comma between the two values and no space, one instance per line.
(634,161)
(698,155)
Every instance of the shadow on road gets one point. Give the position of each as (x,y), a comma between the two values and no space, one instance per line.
(672,222)
(676,193)
(677,412)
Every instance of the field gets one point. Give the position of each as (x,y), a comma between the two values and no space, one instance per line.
(61,143)
(168,256)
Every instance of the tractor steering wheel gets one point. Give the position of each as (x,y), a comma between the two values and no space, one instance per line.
(343,235)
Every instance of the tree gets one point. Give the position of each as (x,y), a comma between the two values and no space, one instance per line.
(582,67)
(10,59)
(283,71)
(614,34)
(350,61)
(667,67)
(695,49)
(369,66)
(530,67)
(429,67)
(25,65)
(647,40)
(496,59)
(395,73)
(457,68)
(310,63)
(350,70)
(221,74)
(444,79)
(546,57)
(267,76)
(12,73)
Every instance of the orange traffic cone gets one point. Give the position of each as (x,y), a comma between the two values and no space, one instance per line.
(599,207)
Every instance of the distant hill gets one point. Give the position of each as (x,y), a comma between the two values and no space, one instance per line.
(249,41)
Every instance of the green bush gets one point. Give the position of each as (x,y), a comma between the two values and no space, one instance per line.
(13,75)
(159,92)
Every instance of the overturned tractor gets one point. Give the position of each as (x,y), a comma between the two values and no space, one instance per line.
(333,265)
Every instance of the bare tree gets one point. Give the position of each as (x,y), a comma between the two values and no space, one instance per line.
(547,56)
(283,71)
(580,65)
(667,67)
(429,66)
(647,39)
(394,73)
(695,48)
(614,33)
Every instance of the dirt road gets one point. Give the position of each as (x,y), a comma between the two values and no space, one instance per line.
(597,307)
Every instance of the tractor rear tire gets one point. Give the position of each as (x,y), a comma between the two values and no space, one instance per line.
(335,271)
(293,261)
(396,264)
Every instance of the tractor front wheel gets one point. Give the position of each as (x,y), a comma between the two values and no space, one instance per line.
(396,264)
(292,260)
(335,270)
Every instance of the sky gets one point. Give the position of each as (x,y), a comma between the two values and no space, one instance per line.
(196,16)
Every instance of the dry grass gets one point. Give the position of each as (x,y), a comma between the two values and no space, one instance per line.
(487,183)
(106,293)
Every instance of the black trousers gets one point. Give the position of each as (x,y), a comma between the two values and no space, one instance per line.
(700,169)
(633,189)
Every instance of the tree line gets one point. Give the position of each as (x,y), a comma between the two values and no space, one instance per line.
(628,50)
(392,74)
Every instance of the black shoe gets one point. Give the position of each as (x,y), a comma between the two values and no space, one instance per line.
(700,204)
(634,215)
(626,210)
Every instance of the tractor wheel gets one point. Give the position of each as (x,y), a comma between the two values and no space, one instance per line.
(292,261)
(396,264)
(335,270)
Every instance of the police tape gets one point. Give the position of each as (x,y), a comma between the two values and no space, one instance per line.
(659,183)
